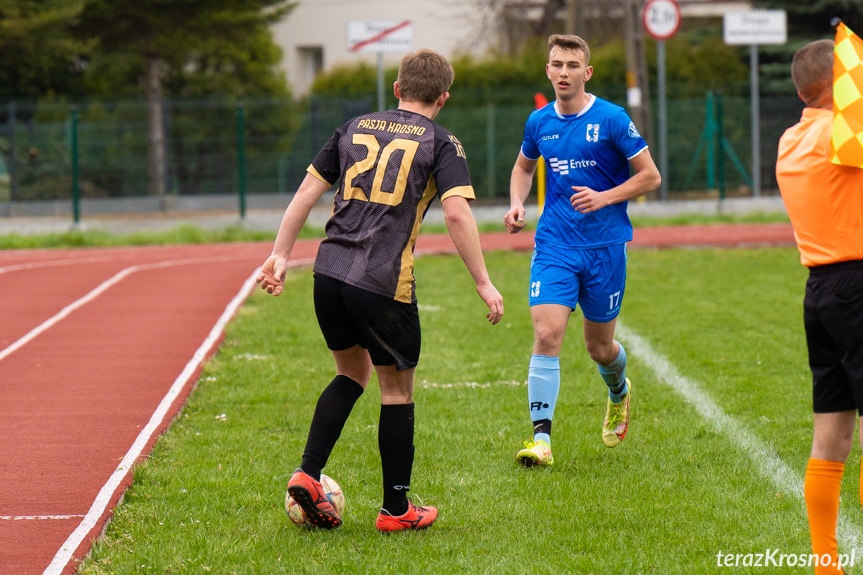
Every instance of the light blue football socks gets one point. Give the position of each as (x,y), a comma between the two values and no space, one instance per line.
(614,376)
(543,386)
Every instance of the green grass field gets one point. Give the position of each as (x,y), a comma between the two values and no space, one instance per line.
(682,487)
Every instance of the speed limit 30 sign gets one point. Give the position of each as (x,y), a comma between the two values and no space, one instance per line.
(661,18)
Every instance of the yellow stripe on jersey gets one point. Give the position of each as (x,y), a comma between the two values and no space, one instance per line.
(406,275)
(463,191)
(311,170)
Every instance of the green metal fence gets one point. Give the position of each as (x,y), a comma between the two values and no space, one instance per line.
(238,155)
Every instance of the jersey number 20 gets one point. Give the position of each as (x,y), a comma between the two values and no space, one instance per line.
(371,161)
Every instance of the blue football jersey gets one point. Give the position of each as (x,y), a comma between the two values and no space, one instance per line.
(593,149)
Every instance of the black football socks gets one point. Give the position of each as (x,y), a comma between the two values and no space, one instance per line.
(331,412)
(396,444)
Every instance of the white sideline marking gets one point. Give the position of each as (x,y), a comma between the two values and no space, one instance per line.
(763,458)
(64,554)
(63,313)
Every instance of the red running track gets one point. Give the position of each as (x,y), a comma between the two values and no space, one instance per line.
(99,348)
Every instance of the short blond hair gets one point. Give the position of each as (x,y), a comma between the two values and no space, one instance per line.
(569,42)
(812,69)
(424,76)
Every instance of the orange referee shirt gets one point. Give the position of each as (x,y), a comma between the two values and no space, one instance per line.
(824,201)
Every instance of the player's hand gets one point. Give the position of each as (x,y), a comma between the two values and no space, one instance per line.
(493,300)
(272,275)
(514,219)
(585,200)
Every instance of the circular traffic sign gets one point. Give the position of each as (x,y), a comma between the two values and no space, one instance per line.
(661,18)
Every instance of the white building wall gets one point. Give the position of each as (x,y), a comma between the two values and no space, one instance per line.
(313,36)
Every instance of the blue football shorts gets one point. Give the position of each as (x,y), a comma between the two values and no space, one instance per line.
(593,278)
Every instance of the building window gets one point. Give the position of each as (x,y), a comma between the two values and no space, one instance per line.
(311,64)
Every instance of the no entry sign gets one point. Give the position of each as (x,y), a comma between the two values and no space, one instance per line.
(380,36)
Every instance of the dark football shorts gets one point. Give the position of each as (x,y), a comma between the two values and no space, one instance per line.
(349,316)
(833,318)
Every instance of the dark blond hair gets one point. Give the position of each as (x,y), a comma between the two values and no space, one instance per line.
(812,69)
(569,42)
(424,76)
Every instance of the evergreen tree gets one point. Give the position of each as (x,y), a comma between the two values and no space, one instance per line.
(188,46)
(810,20)
(807,21)
(38,53)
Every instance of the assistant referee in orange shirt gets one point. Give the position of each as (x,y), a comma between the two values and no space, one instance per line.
(825,204)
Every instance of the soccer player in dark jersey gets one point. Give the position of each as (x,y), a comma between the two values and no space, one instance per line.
(589,146)
(391,165)
(825,204)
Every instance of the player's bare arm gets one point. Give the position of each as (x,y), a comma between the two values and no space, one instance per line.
(462,229)
(645,179)
(272,274)
(519,188)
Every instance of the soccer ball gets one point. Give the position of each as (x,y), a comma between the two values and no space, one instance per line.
(331,490)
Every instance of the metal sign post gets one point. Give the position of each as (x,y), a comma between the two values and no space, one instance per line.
(752,28)
(380,36)
(661,19)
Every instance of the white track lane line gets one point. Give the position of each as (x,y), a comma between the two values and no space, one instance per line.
(52,263)
(103,499)
(63,313)
(762,456)
(36,517)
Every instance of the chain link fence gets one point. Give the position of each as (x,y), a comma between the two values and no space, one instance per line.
(222,155)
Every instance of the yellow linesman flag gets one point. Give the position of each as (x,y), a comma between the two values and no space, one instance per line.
(846,145)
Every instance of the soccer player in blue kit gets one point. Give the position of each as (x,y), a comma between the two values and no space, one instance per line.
(589,146)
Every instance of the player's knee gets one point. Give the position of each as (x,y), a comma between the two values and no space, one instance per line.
(601,352)
(360,373)
(361,376)
(837,450)
(833,447)
(546,347)
(547,341)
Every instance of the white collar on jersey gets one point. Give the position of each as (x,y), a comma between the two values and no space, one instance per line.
(581,113)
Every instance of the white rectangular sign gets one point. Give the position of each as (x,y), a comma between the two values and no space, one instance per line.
(755,27)
(380,35)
